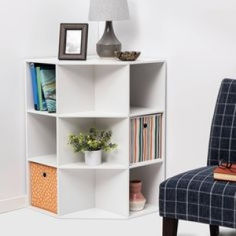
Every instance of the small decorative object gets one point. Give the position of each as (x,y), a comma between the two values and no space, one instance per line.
(73,42)
(108,10)
(137,200)
(92,144)
(127,56)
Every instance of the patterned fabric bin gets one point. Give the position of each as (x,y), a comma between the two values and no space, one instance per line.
(145,142)
(43,181)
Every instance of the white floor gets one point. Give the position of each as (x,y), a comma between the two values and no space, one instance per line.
(26,222)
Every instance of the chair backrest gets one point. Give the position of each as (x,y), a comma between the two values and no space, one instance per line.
(222,144)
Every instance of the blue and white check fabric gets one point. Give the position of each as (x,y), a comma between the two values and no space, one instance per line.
(222,143)
(195,195)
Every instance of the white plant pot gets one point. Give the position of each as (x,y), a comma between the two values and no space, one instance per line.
(93,158)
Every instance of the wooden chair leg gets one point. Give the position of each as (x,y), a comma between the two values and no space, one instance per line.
(170,227)
(214,230)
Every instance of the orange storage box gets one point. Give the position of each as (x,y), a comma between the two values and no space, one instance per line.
(43,185)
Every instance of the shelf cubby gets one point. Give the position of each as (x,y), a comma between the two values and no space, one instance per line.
(150,176)
(95,88)
(105,193)
(116,159)
(147,88)
(29,90)
(41,139)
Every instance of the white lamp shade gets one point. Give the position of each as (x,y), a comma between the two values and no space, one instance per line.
(108,10)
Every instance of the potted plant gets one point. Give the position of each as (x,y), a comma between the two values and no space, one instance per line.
(92,144)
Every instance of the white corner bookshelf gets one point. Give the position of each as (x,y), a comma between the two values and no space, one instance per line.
(107,94)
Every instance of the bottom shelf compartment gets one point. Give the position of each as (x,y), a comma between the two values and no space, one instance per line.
(93,213)
(150,176)
(93,193)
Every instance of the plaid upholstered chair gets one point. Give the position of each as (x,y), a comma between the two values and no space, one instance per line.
(194,195)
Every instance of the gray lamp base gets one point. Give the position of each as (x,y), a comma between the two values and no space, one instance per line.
(108,44)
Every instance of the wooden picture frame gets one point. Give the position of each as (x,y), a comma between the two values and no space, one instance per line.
(73,41)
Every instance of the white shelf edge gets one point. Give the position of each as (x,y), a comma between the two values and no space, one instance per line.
(48,160)
(149,209)
(93,114)
(134,112)
(103,166)
(94,60)
(93,213)
(88,114)
(146,163)
(142,111)
(41,113)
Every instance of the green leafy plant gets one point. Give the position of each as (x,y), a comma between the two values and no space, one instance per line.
(94,140)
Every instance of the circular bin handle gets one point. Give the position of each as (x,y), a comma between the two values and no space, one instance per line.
(145,125)
(44,174)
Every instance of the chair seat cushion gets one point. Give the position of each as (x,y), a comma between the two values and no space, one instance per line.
(195,196)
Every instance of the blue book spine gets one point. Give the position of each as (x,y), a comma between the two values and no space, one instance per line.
(34,86)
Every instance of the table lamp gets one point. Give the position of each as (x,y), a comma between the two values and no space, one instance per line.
(108,10)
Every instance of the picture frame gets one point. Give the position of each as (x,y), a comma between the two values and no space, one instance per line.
(73,41)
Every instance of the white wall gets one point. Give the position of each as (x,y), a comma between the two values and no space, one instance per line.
(29,28)
(198,39)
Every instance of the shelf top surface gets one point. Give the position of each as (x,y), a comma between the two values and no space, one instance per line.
(102,166)
(93,60)
(134,112)
(145,163)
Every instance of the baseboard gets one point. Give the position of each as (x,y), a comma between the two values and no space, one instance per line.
(12,204)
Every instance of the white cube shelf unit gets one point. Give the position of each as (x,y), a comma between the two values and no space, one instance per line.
(104,93)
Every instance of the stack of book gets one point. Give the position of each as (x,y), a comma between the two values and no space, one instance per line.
(225,174)
(44,87)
